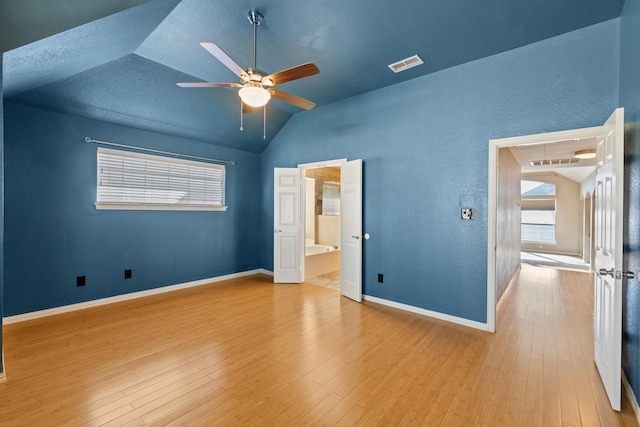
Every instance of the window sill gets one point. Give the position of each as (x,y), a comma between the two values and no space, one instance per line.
(152,207)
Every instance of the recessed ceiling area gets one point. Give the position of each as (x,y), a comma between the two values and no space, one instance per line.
(558,152)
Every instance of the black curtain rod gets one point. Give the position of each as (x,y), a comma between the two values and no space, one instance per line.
(151,150)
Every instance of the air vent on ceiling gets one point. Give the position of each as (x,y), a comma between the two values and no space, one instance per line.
(554,162)
(406,63)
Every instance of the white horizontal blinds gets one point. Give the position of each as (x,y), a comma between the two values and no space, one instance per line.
(538,204)
(133,178)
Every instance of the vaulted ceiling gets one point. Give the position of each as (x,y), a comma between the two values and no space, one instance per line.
(119,60)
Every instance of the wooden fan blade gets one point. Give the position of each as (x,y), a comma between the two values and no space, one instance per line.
(298,72)
(221,56)
(291,99)
(208,84)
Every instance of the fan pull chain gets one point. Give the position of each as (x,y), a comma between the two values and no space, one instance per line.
(241,110)
(264,123)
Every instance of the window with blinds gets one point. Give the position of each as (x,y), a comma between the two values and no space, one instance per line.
(128,180)
(538,211)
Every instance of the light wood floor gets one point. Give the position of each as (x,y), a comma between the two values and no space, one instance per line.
(251,353)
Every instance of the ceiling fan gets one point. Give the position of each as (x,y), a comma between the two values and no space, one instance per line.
(256,86)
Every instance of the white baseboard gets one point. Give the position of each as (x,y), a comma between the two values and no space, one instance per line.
(118,298)
(110,300)
(428,313)
(631,396)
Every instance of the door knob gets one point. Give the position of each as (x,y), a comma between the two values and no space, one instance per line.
(605,272)
(356,237)
(629,274)
(277,230)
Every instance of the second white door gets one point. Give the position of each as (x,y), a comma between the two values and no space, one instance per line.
(351,230)
(607,327)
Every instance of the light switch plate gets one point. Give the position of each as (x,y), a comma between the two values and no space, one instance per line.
(466,213)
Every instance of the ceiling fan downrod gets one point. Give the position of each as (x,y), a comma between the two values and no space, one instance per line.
(255,18)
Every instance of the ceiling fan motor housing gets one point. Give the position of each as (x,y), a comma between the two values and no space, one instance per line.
(256,75)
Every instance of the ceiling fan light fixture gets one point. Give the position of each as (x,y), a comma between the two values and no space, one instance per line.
(254,96)
(585,154)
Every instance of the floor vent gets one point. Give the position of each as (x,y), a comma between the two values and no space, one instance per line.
(406,63)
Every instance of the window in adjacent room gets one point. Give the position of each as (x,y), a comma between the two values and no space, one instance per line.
(128,180)
(538,212)
(330,198)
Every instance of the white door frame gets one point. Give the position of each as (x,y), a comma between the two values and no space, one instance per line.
(304,167)
(494,148)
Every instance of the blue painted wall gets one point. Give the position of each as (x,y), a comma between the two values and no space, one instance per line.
(54,233)
(630,100)
(1,213)
(424,144)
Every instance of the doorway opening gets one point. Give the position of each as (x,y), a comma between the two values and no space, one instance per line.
(322,224)
(608,233)
(289,249)
(496,268)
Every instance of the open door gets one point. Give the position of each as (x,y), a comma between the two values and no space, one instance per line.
(351,230)
(607,328)
(287,226)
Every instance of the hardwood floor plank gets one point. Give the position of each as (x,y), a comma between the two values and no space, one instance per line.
(514,410)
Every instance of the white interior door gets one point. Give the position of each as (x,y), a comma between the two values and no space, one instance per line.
(287,225)
(607,328)
(351,230)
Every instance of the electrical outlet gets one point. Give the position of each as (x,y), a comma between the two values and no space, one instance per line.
(81,280)
(128,274)
(380,278)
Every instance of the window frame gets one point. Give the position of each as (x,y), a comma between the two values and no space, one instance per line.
(141,205)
